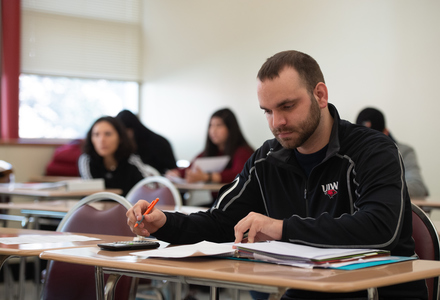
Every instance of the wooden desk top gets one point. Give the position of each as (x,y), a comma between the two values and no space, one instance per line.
(66,205)
(53,193)
(51,178)
(429,202)
(36,249)
(55,205)
(246,272)
(213,187)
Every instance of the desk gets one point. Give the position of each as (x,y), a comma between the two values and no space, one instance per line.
(212,187)
(244,274)
(24,250)
(198,193)
(428,203)
(52,178)
(49,194)
(58,208)
(44,194)
(52,209)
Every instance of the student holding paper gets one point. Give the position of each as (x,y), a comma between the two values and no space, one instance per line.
(321,182)
(224,138)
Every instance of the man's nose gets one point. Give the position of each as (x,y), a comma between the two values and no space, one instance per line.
(278,120)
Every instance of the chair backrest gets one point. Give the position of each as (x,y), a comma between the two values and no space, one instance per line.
(154,187)
(73,281)
(427,244)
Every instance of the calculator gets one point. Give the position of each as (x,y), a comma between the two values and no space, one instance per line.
(129,245)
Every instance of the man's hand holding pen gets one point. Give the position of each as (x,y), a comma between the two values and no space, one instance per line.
(151,222)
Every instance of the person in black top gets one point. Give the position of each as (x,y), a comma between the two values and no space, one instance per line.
(153,149)
(108,154)
(321,182)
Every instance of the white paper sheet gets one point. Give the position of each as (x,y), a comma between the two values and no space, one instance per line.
(39,239)
(200,249)
(211,164)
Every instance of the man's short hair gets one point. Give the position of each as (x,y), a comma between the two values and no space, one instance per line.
(307,68)
(373,117)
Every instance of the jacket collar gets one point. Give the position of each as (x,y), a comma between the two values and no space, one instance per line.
(280,153)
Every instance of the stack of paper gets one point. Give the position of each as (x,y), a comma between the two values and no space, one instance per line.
(282,253)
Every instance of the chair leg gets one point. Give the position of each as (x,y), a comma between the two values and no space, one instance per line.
(21,278)
(9,281)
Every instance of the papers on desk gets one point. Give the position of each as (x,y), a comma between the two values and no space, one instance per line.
(200,249)
(206,164)
(211,164)
(65,185)
(45,238)
(282,253)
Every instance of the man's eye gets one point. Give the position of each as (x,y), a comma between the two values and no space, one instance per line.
(267,112)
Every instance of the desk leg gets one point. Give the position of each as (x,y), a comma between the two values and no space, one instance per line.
(214,293)
(21,277)
(110,286)
(99,280)
(373,294)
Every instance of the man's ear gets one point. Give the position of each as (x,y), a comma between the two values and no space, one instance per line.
(321,94)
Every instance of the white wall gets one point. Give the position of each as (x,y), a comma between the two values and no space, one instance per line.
(201,55)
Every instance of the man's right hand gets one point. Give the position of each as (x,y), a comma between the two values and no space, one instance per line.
(151,223)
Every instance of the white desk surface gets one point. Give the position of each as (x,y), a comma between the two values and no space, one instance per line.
(36,248)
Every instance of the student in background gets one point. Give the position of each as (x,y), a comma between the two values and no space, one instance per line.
(153,149)
(321,181)
(224,138)
(108,154)
(374,119)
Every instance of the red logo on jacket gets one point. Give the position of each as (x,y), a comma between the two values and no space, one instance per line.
(330,189)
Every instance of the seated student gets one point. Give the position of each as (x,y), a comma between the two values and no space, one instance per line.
(224,138)
(153,149)
(321,181)
(373,118)
(108,154)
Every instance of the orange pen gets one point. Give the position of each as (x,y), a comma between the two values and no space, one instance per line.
(147,212)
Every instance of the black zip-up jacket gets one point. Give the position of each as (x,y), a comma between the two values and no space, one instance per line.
(355,198)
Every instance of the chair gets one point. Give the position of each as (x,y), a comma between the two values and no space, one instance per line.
(149,189)
(427,244)
(154,187)
(72,281)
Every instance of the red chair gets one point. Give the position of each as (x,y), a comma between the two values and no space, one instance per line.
(73,281)
(427,245)
(153,187)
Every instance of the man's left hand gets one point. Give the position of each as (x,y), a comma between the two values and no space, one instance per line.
(258,228)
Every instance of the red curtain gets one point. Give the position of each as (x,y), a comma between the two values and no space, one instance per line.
(10,68)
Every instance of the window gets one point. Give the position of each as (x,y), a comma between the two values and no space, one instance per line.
(80,60)
(62,107)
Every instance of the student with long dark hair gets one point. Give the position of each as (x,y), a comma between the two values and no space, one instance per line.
(153,149)
(224,138)
(108,154)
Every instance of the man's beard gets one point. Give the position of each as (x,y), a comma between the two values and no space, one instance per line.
(304,130)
